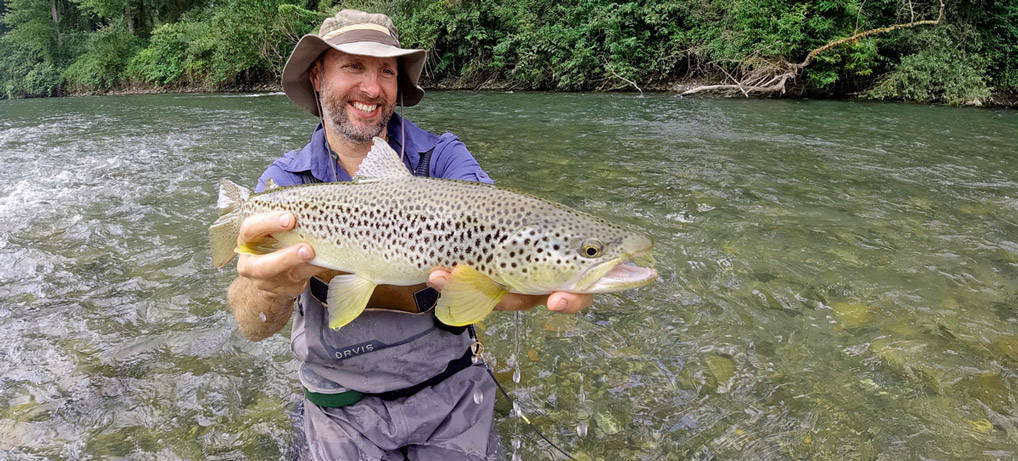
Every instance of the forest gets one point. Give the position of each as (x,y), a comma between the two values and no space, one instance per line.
(923,51)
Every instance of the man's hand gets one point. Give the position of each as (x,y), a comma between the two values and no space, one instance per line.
(559,301)
(262,295)
(284,272)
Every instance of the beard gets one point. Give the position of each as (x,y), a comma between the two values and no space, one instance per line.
(336,115)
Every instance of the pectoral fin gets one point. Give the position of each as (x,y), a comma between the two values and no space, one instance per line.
(468,297)
(263,247)
(348,294)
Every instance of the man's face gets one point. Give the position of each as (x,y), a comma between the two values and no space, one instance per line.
(358,93)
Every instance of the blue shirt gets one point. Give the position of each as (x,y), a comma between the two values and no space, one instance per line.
(450,159)
(418,349)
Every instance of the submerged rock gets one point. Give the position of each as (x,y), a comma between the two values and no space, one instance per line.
(1006,347)
(852,315)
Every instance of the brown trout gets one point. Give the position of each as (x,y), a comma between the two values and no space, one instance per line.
(387,226)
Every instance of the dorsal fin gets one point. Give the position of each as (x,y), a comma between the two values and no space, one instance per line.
(381,162)
(270,184)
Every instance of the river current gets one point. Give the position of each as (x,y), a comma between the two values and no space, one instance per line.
(839,280)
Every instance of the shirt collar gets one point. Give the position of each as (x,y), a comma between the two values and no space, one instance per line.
(314,157)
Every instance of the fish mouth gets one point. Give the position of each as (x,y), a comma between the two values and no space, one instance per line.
(621,273)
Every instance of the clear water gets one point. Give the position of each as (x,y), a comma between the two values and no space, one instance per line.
(838,280)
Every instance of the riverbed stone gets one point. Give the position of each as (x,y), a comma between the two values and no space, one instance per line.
(852,315)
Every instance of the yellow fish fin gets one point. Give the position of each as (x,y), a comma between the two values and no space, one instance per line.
(223,232)
(348,294)
(468,297)
(260,248)
(223,238)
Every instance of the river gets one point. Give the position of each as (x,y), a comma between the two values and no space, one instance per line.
(839,280)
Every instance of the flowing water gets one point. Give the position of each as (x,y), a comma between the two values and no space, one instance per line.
(838,280)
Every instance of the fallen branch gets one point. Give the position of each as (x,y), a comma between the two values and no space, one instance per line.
(609,67)
(772,77)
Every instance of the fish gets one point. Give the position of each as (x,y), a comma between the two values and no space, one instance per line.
(387,226)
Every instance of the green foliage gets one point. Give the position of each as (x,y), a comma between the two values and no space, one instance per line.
(23,74)
(169,55)
(242,42)
(999,32)
(569,46)
(941,71)
(32,28)
(534,44)
(102,66)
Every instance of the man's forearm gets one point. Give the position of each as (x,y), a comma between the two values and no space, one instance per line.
(259,314)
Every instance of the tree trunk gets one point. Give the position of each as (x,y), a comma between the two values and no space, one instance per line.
(129,19)
(56,21)
(142,17)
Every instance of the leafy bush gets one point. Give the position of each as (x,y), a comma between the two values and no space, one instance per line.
(999,30)
(23,73)
(941,71)
(239,43)
(103,63)
(43,79)
(168,55)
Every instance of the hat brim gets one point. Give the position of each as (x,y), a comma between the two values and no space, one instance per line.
(297,84)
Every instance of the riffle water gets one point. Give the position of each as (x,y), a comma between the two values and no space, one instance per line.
(838,280)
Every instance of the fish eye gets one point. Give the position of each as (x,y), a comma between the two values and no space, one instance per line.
(591,248)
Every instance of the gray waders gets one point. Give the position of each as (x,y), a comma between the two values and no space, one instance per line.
(391,385)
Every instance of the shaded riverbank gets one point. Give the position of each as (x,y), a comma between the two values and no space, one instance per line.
(996,100)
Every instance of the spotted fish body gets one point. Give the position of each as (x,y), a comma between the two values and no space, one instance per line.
(389,227)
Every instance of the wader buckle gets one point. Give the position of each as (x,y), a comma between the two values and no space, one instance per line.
(475,351)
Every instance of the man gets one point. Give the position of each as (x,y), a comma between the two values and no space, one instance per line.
(394,383)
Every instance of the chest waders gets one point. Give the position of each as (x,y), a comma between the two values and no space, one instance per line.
(383,353)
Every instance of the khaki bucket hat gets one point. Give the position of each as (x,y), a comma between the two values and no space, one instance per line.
(352,32)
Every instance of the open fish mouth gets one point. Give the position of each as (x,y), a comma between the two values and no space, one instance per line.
(622,273)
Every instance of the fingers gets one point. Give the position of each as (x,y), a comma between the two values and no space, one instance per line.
(438,278)
(275,264)
(559,301)
(257,227)
(283,272)
(569,303)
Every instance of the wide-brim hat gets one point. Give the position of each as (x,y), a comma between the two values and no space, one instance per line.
(352,32)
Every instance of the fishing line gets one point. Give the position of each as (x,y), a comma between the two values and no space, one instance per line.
(321,116)
(515,406)
(402,131)
(522,416)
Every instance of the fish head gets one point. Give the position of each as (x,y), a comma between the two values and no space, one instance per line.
(581,255)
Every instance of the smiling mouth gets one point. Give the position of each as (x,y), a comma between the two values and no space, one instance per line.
(364,108)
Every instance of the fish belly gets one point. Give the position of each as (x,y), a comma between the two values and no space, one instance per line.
(351,256)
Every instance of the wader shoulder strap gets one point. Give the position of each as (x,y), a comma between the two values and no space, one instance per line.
(307,178)
(424,164)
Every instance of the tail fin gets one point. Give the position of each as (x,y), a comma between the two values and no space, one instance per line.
(223,233)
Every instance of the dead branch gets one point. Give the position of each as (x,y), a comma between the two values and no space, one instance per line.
(609,68)
(772,76)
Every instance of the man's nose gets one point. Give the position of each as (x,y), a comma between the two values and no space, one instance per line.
(371,85)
